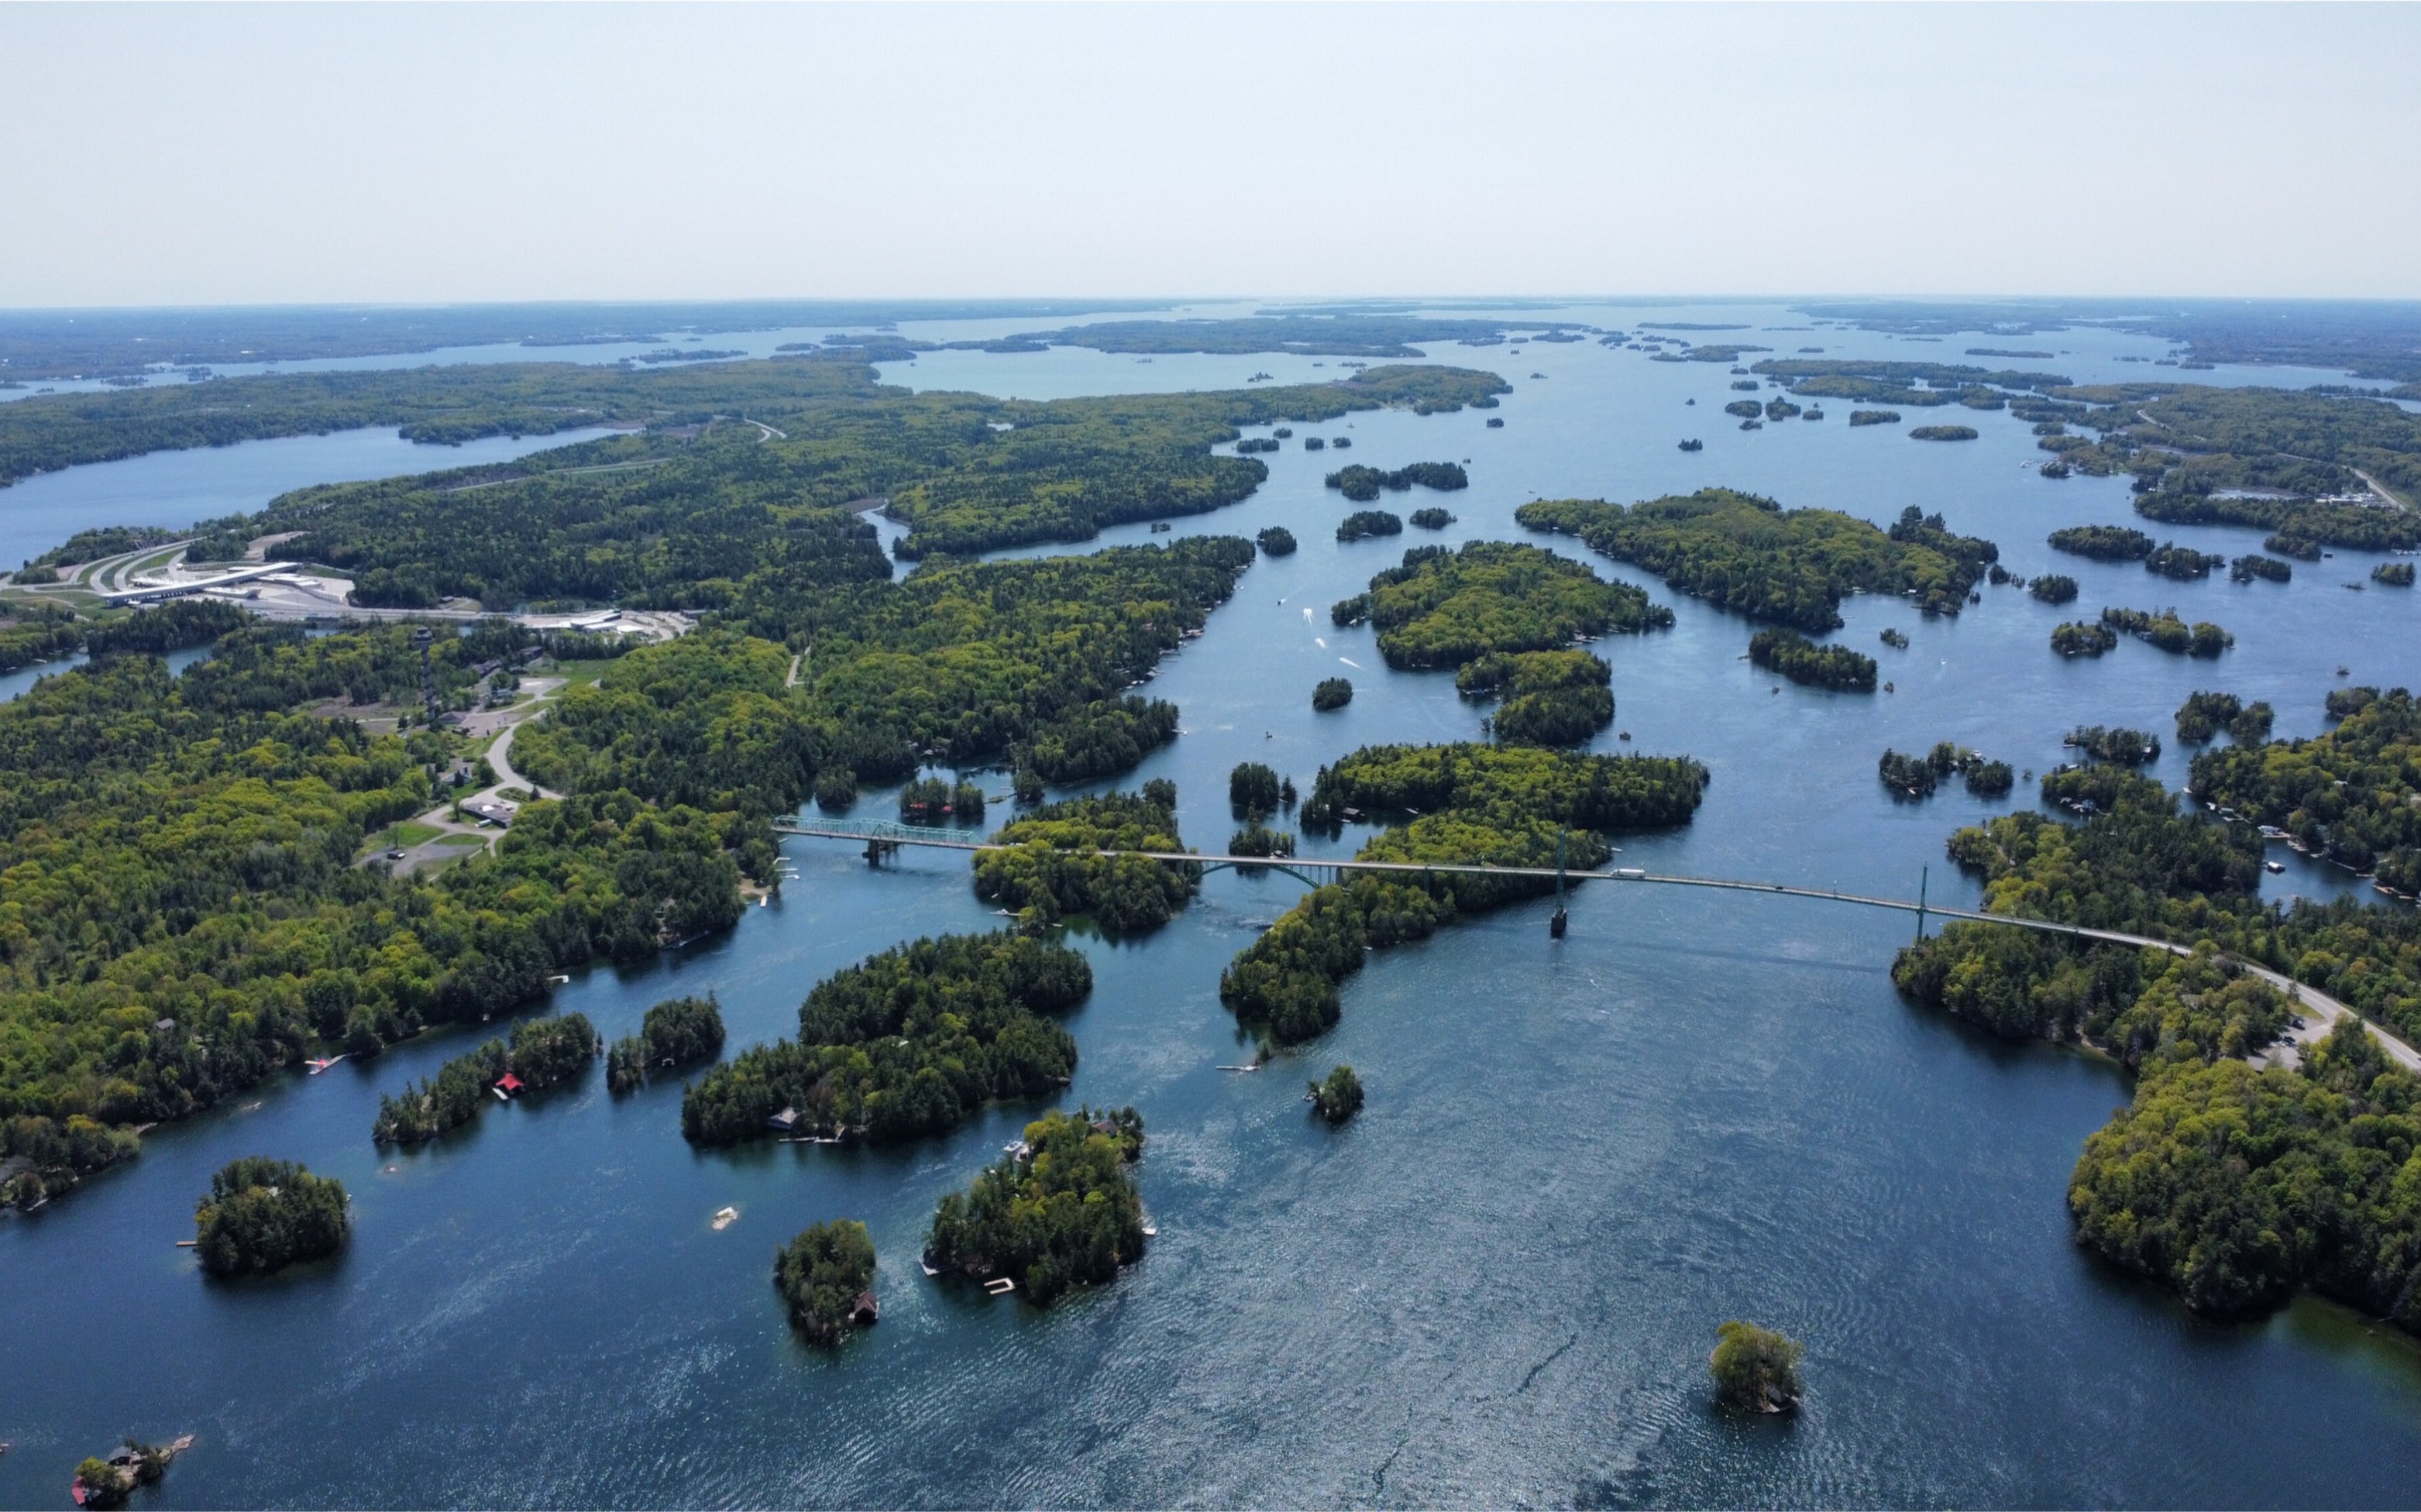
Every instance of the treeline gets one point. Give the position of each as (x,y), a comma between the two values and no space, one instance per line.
(1362,484)
(1054,866)
(907,1042)
(1500,806)
(1744,552)
(1799,659)
(1063,1213)
(542,1053)
(1441,608)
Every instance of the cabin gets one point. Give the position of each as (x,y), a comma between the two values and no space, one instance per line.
(862,1310)
(784,1121)
(508,1086)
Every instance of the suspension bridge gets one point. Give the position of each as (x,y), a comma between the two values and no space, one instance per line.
(882,838)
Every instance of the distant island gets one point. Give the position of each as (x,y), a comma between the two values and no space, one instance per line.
(262,1215)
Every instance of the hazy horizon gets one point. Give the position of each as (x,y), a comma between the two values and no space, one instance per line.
(456,155)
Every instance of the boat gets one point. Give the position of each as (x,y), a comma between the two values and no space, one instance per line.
(2274,865)
(725,1218)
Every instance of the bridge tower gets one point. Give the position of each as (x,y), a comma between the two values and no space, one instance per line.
(1555,926)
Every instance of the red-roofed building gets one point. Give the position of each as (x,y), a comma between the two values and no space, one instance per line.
(507,1084)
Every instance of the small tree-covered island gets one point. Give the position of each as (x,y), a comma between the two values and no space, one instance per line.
(1059,1211)
(262,1215)
(826,1276)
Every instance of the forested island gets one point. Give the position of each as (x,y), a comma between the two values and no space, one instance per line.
(1338,1097)
(542,1053)
(2104,543)
(1943,434)
(1061,1213)
(1362,484)
(677,1032)
(906,1043)
(2254,564)
(1439,607)
(1365,522)
(1916,776)
(1802,659)
(1056,869)
(1793,567)
(2053,588)
(2084,638)
(1330,693)
(1436,519)
(826,1276)
(2204,714)
(1498,805)
(1276,540)
(262,1215)
(2163,629)
(1755,1369)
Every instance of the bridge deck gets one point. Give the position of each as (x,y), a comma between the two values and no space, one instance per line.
(2328,1008)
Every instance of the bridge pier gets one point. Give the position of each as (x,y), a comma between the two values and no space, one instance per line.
(877,850)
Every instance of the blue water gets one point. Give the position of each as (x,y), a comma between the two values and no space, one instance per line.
(1499,1285)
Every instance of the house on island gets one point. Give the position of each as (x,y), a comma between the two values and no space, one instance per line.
(784,1121)
(508,1086)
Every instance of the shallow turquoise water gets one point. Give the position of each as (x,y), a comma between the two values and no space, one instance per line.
(1498,1285)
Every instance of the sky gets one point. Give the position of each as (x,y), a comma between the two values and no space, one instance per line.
(296,153)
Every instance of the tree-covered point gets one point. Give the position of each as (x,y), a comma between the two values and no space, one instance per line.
(1874,417)
(2235,1186)
(1341,333)
(826,1276)
(1746,409)
(2393,574)
(1919,384)
(1436,519)
(2204,714)
(2053,587)
(1441,608)
(1054,868)
(1509,806)
(1332,694)
(2182,562)
(1748,553)
(1338,1095)
(1756,1369)
(1276,540)
(1551,697)
(1257,839)
(907,1042)
(1064,1213)
(262,1215)
(2348,794)
(677,1032)
(1365,522)
(2254,564)
(2164,629)
(1896,639)
(543,1051)
(1794,656)
(1362,484)
(2104,543)
(2084,638)
(1943,434)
